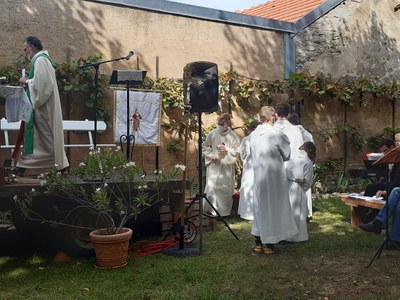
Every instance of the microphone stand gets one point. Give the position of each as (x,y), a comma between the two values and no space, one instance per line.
(96,66)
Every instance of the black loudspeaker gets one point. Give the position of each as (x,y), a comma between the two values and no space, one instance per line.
(202,78)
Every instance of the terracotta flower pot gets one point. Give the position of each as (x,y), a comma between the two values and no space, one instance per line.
(111,250)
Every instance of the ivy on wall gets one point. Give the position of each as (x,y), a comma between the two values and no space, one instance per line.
(77,83)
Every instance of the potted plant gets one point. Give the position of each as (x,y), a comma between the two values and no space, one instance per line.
(102,194)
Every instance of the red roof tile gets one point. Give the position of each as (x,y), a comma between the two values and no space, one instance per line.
(283,10)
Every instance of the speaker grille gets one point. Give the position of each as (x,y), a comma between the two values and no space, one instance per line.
(202,79)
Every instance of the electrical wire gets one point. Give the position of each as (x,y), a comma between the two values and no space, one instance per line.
(151,247)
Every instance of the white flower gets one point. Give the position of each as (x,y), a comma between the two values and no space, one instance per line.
(98,190)
(105,185)
(130,164)
(56,165)
(182,167)
(118,149)
(15,197)
(139,187)
(41,176)
(155,171)
(144,186)
(91,148)
(91,152)
(82,164)
(159,172)
(43,182)
(143,176)
(33,190)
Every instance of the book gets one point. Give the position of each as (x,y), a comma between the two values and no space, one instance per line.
(362,197)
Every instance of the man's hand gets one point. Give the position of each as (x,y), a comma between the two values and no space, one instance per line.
(215,160)
(380,194)
(221,148)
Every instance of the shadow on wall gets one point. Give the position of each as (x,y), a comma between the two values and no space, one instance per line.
(247,57)
(362,44)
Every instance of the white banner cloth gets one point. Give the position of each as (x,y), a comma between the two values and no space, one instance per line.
(144,117)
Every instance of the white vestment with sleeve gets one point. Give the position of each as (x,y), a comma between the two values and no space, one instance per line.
(292,132)
(220,176)
(299,171)
(273,217)
(307,137)
(48,143)
(245,209)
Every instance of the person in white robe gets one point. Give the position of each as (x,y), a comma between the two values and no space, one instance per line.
(220,150)
(299,171)
(273,217)
(245,208)
(48,134)
(307,137)
(291,131)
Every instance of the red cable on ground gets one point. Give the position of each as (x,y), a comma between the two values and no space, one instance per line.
(152,247)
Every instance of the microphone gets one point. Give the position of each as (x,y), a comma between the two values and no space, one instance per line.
(129,55)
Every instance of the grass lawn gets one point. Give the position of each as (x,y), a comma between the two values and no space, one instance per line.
(331,265)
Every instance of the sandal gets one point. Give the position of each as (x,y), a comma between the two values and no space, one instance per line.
(258,249)
(270,249)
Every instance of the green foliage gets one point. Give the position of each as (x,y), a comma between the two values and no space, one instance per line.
(244,89)
(5,217)
(77,83)
(330,178)
(106,186)
(13,73)
(226,82)
(172,91)
(342,182)
(175,146)
(267,90)
(387,133)
(356,139)
(324,173)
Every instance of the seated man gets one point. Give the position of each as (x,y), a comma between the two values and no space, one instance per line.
(394,212)
(379,189)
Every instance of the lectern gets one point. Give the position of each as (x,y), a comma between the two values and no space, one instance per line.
(128,77)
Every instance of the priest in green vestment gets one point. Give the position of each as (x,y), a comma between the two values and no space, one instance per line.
(44,134)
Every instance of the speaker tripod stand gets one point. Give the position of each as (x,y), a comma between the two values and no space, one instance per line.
(200,197)
(203,80)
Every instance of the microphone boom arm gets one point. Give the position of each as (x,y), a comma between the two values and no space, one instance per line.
(101,62)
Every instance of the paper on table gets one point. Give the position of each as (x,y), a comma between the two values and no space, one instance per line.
(358,196)
(374,156)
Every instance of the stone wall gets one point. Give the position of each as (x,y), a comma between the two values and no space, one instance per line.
(357,39)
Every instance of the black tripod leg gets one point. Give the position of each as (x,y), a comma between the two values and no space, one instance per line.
(222,218)
(379,251)
(176,222)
